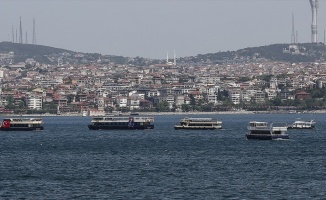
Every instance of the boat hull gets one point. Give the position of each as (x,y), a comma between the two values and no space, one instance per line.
(266,137)
(301,127)
(99,127)
(195,128)
(198,124)
(23,129)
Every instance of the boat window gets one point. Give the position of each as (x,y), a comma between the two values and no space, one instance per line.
(98,118)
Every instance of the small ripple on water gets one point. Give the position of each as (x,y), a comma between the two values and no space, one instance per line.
(75,163)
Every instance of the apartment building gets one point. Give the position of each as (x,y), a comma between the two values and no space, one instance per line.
(235,96)
(34,102)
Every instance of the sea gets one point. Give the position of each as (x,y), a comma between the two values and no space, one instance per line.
(68,161)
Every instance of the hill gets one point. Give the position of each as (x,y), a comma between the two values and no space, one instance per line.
(51,55)
(23,51)
(305,52)
(29,49)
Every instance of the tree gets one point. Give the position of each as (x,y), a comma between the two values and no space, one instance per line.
(192,100)
(266,78)
(10,102)
(281,86)
(108,109)
(50,107)
(28,66)
(277,101)
(21,105)
(163,106)
(23,73)
(244,79)
(174,107)
(70,98)
(207,107)
(219,95)
(185,107)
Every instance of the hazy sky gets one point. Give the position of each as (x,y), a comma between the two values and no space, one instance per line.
(150,28)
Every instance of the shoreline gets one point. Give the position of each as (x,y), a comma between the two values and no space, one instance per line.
(173,113)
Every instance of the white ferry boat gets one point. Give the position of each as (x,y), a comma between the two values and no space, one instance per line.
(21,124)
(267,131)
(121,122)
(199,123)
(302,124)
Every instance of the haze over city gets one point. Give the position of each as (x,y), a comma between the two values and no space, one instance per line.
(150,28)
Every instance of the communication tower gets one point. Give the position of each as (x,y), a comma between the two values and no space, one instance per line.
(34,33)
(314,30)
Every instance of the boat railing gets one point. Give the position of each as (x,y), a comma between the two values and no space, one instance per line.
(199,119)
(25,119)
(266,125)
(279,125)
(142,119)
(254,125)
(258,127)
(306,121)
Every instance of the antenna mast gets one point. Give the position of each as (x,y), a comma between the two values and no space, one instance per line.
(34,34)
(20,31)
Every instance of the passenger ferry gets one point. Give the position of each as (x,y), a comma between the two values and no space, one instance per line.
(21,124)
(121,122)
(301,124)
(267,131)
(199,123)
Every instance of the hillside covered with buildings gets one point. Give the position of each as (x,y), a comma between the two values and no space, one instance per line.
(40,79)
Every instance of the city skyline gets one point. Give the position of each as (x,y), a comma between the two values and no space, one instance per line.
(151,28)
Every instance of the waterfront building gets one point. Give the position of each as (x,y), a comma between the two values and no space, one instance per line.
(34,102)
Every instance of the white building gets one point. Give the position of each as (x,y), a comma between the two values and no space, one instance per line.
(133,103)
(153,93)
(121,101)
(235,96)
(246,96)
(259,97)
(34,102)
(212,98)
(179,100)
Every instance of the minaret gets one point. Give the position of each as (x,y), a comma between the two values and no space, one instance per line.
(293,34)
(13,35)
(167,57)
(26,41)
(174,59)
(314,30)
(20,31)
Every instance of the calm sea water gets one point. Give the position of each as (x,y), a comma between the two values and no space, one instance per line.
(68,161)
